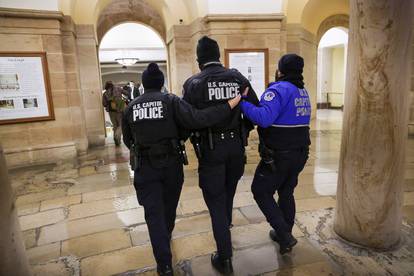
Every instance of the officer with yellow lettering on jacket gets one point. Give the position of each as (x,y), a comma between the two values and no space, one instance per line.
(152,126)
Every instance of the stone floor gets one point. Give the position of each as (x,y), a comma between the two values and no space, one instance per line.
(83,218)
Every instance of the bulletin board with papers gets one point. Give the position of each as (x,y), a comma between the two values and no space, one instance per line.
(25,94)
(253,64)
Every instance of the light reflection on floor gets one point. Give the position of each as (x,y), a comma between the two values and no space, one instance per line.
(90,213)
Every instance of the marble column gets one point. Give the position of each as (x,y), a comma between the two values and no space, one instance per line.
(13,259)
(371,171)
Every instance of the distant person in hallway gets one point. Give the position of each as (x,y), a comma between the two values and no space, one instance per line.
(283,117)
(114,99)
(133,90)
(153,127)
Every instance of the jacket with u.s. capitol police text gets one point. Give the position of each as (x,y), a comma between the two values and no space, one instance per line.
(214,85)
(283,116)
(156,117)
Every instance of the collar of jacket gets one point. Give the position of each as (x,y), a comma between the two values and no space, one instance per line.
(212,63)
(152,90)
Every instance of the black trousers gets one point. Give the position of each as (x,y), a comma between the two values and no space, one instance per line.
(158,191)
(219,172)
(280,214)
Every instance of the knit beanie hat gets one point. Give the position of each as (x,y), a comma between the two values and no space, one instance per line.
(291,64)
(152,77)
(207,50)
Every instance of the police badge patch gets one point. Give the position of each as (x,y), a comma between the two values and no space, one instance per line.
(269,96)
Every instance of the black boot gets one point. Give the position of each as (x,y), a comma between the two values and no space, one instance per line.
(117,142)
(223,266)
(273,235)
(286,241)
(165,270)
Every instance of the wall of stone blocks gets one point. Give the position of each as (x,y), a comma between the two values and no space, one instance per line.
(180,57)
(231,32)
(304,43)
(64,137)
(411,98)
(91,87)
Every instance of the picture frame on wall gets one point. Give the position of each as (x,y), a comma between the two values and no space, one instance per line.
(253,64)
(25,91)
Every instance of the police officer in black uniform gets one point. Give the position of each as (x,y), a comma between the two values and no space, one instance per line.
(151,126)
(220,149)
(283,116)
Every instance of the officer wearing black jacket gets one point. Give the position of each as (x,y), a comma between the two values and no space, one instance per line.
(151,125)
(220,149)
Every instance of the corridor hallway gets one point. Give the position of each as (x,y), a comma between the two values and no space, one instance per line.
(84,219)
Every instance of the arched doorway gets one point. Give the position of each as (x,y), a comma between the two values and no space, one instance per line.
(124,52)
(331,68)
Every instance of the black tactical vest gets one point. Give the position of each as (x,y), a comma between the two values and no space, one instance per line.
(215,86)
(151,118)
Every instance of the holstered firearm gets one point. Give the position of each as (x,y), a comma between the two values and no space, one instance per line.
(179,146)
(244,134)
(267,156)
(195,139)
(210,138)
(134,159)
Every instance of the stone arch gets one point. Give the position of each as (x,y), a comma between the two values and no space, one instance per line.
(316,11)
(337,20)
(122,11)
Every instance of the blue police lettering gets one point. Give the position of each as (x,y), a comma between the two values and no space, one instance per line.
(222,90)
(148,111)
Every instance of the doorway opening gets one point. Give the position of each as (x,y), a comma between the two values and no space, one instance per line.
(124,53)
(331,75)
(332,53)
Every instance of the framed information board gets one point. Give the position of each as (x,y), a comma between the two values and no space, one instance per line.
(25,94)
(253,64)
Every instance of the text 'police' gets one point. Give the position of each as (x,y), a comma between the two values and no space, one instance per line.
(222,90)
(148,110)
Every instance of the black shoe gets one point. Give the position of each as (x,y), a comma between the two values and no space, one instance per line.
(165,270)
(223,266)
(273,235)
(286,243)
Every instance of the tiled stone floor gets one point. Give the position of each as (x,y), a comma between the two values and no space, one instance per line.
(83,219)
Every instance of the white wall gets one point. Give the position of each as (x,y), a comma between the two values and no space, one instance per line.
(132,40)
(333,37)
(109,55)
(244,6)
(49,5)
(338,76)
(332,51)
(324,73)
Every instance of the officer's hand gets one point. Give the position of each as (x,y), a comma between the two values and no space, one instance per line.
(246,91)
(234,102)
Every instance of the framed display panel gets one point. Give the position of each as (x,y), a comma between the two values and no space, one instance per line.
(25,94)
(253,64)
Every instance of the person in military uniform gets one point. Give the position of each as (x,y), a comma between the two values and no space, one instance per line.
(115,99)
(220,148)
(283,117)
(151,126)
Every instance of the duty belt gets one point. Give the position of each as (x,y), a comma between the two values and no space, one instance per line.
(301,149)
(226,135)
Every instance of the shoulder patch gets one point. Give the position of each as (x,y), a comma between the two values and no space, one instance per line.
(268,96)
